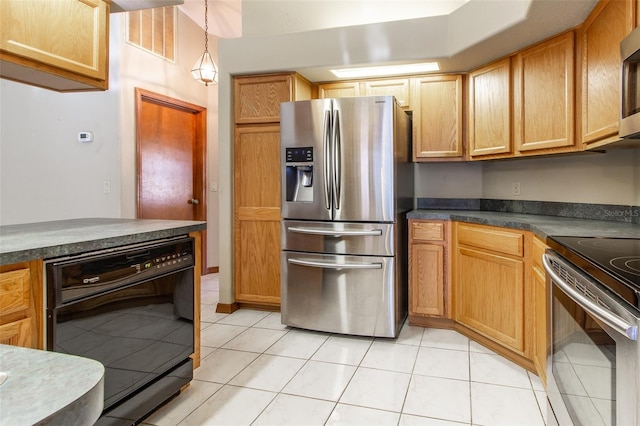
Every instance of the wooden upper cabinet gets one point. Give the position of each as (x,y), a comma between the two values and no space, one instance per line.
(544,94)
(60,45)
(258,98)
(490,108)
(398,87)
(437,117)
(599,74)
(343,89)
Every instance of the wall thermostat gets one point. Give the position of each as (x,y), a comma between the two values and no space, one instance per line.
(85,137)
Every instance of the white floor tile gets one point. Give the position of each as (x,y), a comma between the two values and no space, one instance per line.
(295,411)
(377,389)
(444,339)
(343,349)
(442,363)
(208,314)
(230,406)
(298,344)
(389,356)
(182,405)
(321,380)
(444,399)
(350,415)
(223,364)
(494,405)
(411,420)
(536,382)
(216,335)
(477,347)
(268,372)
(410,335)
(273,321)
(255,340)
(209,297)
(244,317)
(488,368)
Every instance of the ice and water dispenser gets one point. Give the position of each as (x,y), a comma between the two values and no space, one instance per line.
(299,174)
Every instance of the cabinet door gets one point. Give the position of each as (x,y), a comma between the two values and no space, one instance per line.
(489,118)
(345,89)
(489,296)
(68,38)
(544,96)
(21,319)
(426,275)
(599,88)
(437,117)
(396,87)
(257,99)
(257,214)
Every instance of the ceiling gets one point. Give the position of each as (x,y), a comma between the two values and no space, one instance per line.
(460,34)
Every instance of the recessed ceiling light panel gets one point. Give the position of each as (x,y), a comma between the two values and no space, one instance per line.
(386,70)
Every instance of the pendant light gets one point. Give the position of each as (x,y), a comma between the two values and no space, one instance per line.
(205,70)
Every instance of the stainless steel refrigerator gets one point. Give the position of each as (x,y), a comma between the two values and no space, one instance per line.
(347,184)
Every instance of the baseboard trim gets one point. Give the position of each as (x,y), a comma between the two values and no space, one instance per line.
(213,270)
(227,308)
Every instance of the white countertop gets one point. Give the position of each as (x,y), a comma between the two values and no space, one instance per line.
(49,387)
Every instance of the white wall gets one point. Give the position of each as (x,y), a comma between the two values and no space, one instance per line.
(609,178)
(47,175)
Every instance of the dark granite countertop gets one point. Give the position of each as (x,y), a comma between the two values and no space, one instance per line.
(541,225)
(45,240)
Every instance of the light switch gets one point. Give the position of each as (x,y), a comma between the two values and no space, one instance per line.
(213,186)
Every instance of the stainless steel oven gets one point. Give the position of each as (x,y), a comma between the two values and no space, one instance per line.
(132,309)
(593,365)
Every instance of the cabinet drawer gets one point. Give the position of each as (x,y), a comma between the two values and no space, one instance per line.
(427,231)
(14,291)
(494,239)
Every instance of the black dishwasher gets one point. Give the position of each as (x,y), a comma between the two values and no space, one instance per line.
(132,309)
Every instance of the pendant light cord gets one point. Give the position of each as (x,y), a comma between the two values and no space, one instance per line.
(206,27)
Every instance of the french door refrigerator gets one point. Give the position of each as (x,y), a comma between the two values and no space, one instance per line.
(347,184)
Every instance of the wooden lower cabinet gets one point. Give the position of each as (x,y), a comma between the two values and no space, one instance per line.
(491,290)
(540,308)
(429,284)
(21,305)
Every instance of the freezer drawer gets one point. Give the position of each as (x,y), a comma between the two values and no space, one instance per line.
(376,239)
(340,294)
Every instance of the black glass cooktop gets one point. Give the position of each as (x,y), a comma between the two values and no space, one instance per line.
(615,262)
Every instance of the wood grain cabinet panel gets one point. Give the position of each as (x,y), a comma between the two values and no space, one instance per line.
(540,309)
(490,110)
(257,99)
(60,45)
(599,71)
(256,187)
(429,291)
(437,117)
(399,87)
(343,89)
(21,305)
(501,240)
(544,97)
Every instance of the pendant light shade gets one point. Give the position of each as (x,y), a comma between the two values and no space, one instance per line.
(205,70)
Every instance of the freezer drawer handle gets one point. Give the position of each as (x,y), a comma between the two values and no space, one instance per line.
(330,265)
(337,233)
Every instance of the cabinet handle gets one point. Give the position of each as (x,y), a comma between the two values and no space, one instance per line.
(336,233)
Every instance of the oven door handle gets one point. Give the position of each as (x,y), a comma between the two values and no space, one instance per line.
(612,320)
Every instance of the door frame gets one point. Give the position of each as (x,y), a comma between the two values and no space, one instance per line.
(199,154)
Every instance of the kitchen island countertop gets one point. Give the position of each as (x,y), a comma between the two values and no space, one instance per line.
(540,225)
(44,387)
(45,240)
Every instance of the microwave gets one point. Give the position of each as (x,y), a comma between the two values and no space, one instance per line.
(630,112)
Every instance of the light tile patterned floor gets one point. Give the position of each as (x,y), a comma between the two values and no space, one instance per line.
(255,371)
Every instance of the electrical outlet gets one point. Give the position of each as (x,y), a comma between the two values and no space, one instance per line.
(515,188)
(106,187)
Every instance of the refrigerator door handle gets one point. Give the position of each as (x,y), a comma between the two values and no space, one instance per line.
(336,233)
(326,144)
(330,265)
(337,177)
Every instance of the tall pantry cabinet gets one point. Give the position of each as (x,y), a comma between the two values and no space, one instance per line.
(256,188)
